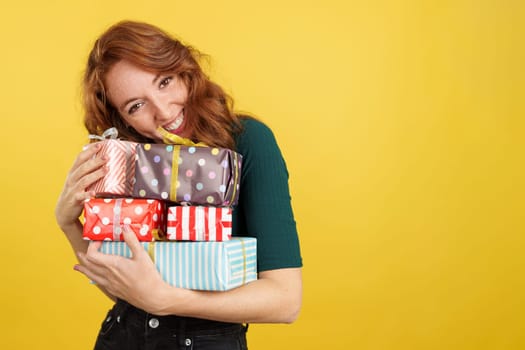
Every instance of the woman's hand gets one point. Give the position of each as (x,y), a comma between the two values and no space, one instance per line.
(86,170)
(135,279)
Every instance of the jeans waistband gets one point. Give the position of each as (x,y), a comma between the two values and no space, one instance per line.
(187,325)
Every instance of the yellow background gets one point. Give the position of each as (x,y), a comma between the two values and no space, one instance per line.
(402,126)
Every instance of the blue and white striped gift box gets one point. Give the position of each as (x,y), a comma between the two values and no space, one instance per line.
(212,266)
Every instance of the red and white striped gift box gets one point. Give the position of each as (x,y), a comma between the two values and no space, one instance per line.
(120,177)
(199,223)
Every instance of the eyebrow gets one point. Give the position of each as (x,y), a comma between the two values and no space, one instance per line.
(123,105)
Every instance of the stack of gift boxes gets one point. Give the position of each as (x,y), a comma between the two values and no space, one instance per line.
(178,200)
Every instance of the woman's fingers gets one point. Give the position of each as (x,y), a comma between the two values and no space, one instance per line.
(87,172)
(132,241)
(89,178)
(88,152)
(103,269)
(135,280)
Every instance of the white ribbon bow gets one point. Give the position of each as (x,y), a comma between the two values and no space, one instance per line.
(109,134)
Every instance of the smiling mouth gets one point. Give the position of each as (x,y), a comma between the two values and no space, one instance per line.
(175,124)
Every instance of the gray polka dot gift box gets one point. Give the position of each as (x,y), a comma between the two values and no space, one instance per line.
(195,175)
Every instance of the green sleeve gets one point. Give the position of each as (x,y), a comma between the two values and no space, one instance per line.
(264,209)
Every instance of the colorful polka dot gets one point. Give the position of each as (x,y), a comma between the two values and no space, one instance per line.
(201,162)
(144,170)
(156,159)
(214,151)
(179,161)
(189,173)
(107,200)
(164,195)
(118,230)
(222,188)
(210,199)
(224,164)
(191,150)
(95,209)
(138,210)
(155,217)
(127,221)
(116,210)
(147,146)
(128,200)
(96,230)
(178,184)
(199,186)
(142,193)
(169,148)
(187,197)
(212,175)
(166,171)
(154,182)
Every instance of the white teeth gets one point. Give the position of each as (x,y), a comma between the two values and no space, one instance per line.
(176,123)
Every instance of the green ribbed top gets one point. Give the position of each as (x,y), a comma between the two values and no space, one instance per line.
(264,208)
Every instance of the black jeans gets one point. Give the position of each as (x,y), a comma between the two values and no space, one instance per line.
(129,328)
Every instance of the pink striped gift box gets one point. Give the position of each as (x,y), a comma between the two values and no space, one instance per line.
(199,223)
(120,177)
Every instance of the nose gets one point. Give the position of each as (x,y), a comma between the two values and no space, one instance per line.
(162,109)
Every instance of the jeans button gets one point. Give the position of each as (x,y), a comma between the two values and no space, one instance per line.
(153,323)
(187,342)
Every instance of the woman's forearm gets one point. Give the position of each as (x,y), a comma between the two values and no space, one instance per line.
(73,233)
(274,298)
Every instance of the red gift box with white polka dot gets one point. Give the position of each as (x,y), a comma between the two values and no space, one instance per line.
(105,218)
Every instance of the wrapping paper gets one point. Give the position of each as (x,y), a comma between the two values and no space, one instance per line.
(187,174)
(212,266)
(120,177)
(199,223)
(106,217)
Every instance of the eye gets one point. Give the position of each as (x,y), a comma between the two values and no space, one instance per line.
(164,82)
(135,107)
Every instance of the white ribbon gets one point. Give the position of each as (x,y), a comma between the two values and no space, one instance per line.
(109,134)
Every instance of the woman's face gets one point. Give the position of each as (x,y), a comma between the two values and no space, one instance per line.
(146,100)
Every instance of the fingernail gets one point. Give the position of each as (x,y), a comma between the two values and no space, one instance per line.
(76,267)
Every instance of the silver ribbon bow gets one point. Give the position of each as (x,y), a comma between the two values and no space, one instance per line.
(109,134)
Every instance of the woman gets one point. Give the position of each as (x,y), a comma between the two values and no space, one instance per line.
(138,79)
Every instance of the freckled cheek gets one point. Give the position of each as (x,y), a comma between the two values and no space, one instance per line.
(146,129)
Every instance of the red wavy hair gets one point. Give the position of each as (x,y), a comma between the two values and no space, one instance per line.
(208,110)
